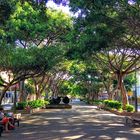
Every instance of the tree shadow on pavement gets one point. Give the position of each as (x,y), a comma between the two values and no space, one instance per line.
(75,124)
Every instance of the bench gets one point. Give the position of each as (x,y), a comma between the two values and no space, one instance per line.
(133,120)
(16,120)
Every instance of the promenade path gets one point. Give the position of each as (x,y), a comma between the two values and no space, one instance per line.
(82,122)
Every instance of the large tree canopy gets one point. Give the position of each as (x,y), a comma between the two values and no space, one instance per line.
(33,24)
(106,37)
(109,29)
(25,35)
(105,24)
(19,64)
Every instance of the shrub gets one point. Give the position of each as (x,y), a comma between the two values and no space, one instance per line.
(113,104)
(46,99)
(97,102)
(36,103)
(46,102)
(21,105)
(129,108)
(106,102)
(32,104)
(66,100)
(117,105)
(86,101)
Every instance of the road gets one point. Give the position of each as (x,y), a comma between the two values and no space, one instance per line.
(82,122)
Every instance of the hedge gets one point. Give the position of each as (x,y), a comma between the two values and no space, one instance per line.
(32,104)
(129,108)
(112,104)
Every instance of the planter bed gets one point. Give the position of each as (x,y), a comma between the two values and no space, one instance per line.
(124,113)
(59,106)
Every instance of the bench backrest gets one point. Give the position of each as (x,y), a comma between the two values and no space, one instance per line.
(17,116)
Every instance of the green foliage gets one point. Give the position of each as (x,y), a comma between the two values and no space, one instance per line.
(36,60)
(84,78)
(46,99)
(113,104)
(129,81)
(37,103)
(106,102)
(93,102)
(64,88)
(32,104)
(21,105)
(46,102)
(86,100)
(103,24)
(70,87)
(31,24)
(6,8)
(74,66)
(29,88)
(129,108)
(32,39)
(97,102)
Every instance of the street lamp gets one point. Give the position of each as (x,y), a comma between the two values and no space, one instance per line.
(15,97)
(136,101)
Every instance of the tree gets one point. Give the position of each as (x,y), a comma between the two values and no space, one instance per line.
(83,78)
(40,84)
(20,64)
(6,8)
(31,25)
(120,63)
(112,29)
(98,25)
(36,25)
(69,87)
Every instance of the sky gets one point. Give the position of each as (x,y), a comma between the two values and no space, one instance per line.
(65,9)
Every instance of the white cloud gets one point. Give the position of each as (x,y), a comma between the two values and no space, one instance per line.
(65,9)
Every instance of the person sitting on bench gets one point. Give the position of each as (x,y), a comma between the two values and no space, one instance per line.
(5,120)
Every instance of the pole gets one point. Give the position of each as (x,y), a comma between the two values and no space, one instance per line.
(15,99)
(136,101)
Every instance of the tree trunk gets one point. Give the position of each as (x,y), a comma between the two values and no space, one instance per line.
(37,91)
(107,85)
(110,97)
(39,85)
(112,93)
(95,95)
(122,89)
(22,91)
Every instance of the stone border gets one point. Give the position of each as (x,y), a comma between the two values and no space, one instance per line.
(124,113)
(29,111)
(59,106)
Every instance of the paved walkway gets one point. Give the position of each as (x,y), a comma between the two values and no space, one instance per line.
(79,123)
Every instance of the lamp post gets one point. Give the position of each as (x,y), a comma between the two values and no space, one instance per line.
(15,98)
(136,101)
